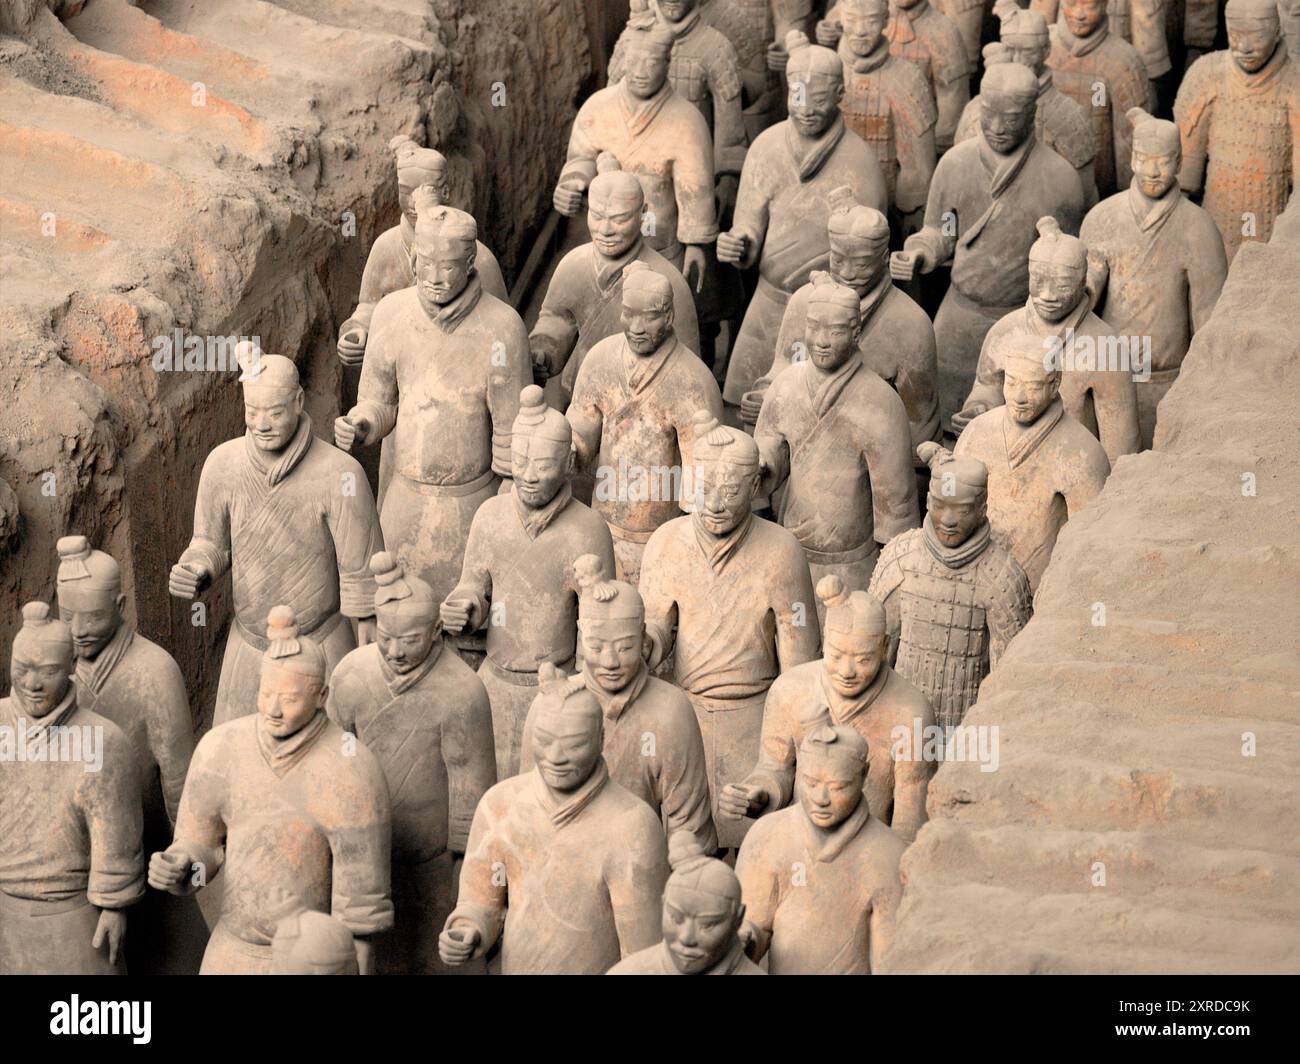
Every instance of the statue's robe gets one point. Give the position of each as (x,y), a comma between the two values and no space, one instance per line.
(1039,475)
(303,822)
(569,883)
(744,610)
(927,38)
(298,530)
(431,731)
(69,838)
(656,960)
(518,579)
(633,429)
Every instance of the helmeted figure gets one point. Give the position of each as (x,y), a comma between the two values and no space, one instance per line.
(736,592)
(1060,122)
(137,685)
(1104,75)
(565,867)
(1239,113)
(1058,318)
(652,741)
(986,196)
(1156,262)
(702,917)
(1140,22)
(632,413)
(517,578)
(854,686)
(425,716)
(784,202)
(1043,466)
(583,302)
(838,437)
(444,366)
(820,880)
(71,863)
(954,598)
(293,519)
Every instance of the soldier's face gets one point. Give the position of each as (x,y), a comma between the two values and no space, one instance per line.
(852,659)
(1083,16)
(408,183)
(1156,173)
(676,10)
(1252,42)
(442,268)
(955,516)
(566,747)
(829,786)
(814,102)
(1006,120)
(39,674)
(540,467)
(288,700)
(646,321)
(1028,391)
(1054,290)
(645,71)
(725,493)
(1028,51)
(271,416)
(404,642)
(863,26)
(93,619)
(698,928)
(613,651)
(831,335)
(857,266)
(614,227)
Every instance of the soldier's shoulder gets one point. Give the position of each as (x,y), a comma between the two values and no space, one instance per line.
(912,95)
(155,663)
(355,666)
(1057,169)
(903,547)
(885,843)
(999,568)
(113,738)
(387,242)
(603,354)
(1101,220)
(793,681)
(909,700)
(669,696)
(1200,86)
(770,141)
(979,430)
(642,962)
(778,538)
(1068,130)
(495,312)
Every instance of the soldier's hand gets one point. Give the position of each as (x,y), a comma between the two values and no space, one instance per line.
(168,869)
(349,429)
(352,344)
(111,929)
(739,800)
(751,405)
(726,195)
(732,247)
(567,199)
(187,579)
(694,261)
(457,944)
(903,265)
(828,32)
(455,614)
(777,57)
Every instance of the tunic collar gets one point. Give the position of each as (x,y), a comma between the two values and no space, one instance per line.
(536,522)
(610,271)
(565,811)
(638,113)
(963,554)
(810,153)
(1150,214)
(400,683)
(1024,441)
(281,755)
(825,389)
(899,30)
(92,674)
(1001,171)
(719,550)
(448,316)
(827,845)
(864,64)
(640,370)
(287,460)
(614,705)
(842,710)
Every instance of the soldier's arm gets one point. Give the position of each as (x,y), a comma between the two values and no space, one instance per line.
(760,890)
(752,212)
(200,821)
(938,235)
(1098,264)
(660,602)
(1009,608)
(110,802)
(773,448)
(915,118)
(774,773)
(887,449)
(1194,112)
(635,883)
(798,632)
(377,390)
(585,415)
(697,215)
(1132,89)
(171,734)
(354,526)
(950,76)
(555,334)
(1207,269)
(912,781)
(361,851)
(1084,483)
(1147,25)
(730,141)
(475,585)
(886,579)
(469,756)
(1117,417)
(580,161)
(917,384)
(510,371)
(885,900)
(484,893)
(209,544)
(684,781)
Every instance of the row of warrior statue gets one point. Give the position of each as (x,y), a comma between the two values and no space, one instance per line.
(606,622)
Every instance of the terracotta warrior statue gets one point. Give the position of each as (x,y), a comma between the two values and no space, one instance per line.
(1239,113)
(390,265)
(784,202)
(517,578)
(853,686)
(652,741)
(293,519)
(584,299)
(1043,466)
(425,716)
(838,437)
(986,196)
(137,685)
(895,338)
(1140,22)
(1104,75)
(444,366)
(953,597)
(736,591)
(1059,121)
(661,137)
(286,804)
(312,943)
(633,416)
(922,34)
(1058,317)
(70,857)
(565,867)
(820,880)
(702,917)
(1156,261)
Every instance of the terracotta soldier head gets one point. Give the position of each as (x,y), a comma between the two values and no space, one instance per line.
(859,239)
(834,316)
(1030,382)
(1008,105)
(1058,271)
(816,78)
(1025,39)
(727,475)
(675,10)
(40,661)
(293,688)
(615,204)
(864,24)
(312,943)
(1157,153)
(90,595)
(444,249)
(417,168)
(611,626)
(568,730)
(273,398)
(541,450)
(647,314)
(647,52)
(1254,32)
(959,494)
(832,768)
(406,615)
(1084,17)
(702,907)
(855,637)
